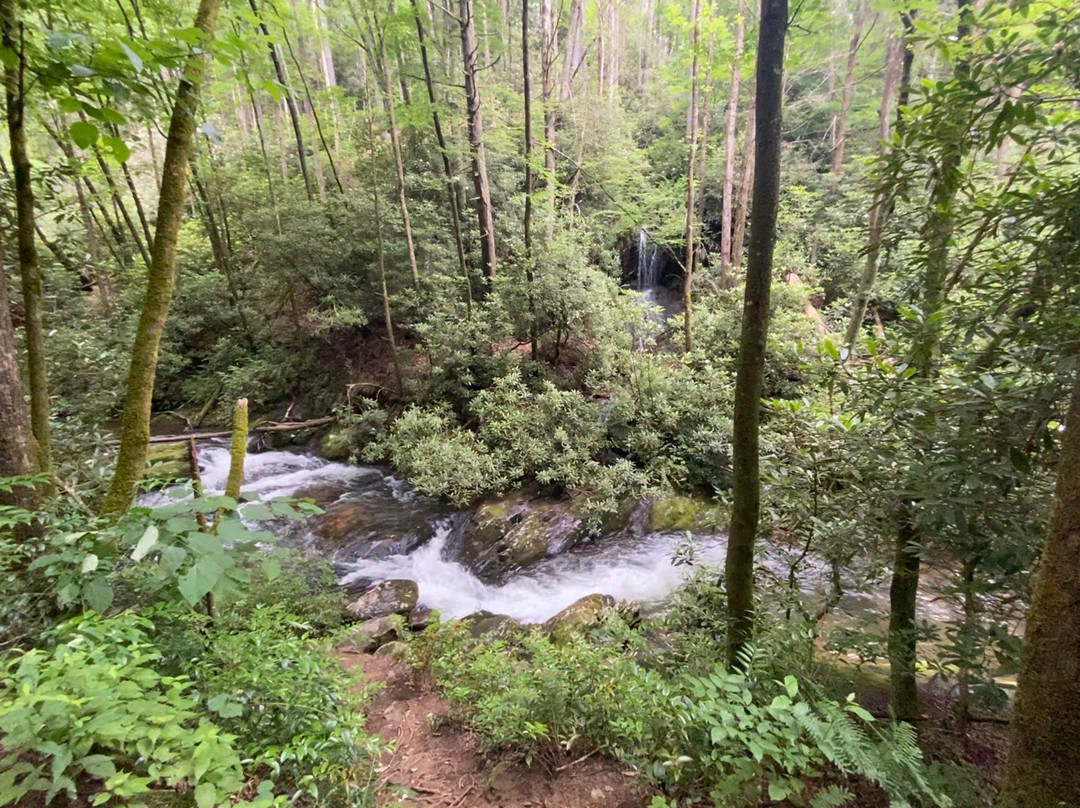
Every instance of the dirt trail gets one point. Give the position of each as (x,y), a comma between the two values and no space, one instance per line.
(437,764)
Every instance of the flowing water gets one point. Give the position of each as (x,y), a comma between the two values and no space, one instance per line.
(377,528)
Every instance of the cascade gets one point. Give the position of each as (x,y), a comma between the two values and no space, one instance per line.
(649,261)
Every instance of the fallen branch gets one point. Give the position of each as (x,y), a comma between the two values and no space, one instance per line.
(269,426)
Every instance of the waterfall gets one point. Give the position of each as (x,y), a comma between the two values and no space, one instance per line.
(648,263)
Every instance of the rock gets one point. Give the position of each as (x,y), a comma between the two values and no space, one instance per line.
(396,649)
(580,616)
(513,532)
(695,514)
(483,623)
(374,524)
(420,619)
(389,597)
(337,444)
(371,634)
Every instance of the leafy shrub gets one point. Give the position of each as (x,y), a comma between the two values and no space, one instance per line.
(94,708)
(735,736)
(439,457)
(288,701)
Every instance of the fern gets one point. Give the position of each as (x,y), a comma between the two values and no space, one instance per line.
(831,796)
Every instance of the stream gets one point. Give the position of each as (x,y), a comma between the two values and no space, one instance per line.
(377,528)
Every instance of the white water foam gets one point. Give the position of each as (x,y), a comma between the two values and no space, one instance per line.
(627,568)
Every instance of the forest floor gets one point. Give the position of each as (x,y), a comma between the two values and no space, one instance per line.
(436,763)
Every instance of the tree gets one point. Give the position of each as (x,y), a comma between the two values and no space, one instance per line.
(746,480)
(17,456)
(12,40)
(727,214)
(1044,755)
(841,130)
(691,139)
(161,278)
(481,184)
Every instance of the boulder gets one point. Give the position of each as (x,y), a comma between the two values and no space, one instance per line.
(483,623)
(678,514)
(167,461)
(372,634)
(396,649)
(337,444)
(389,597)
(580,616)
(512,532)
(375,523)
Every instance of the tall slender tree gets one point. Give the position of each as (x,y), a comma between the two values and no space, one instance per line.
(691,163)
(746,480)
(161,278)
(17,454)
(727,210)
(12,34)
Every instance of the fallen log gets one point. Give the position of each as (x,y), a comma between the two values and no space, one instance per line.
(265,426)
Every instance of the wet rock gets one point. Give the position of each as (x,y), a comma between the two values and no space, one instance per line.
(580,616)
(396,649)
(483,623)
(420,619)
(375,524)
(513,532)
(695,514)
(389,597)
(372,634)
(167,461)
(337,444)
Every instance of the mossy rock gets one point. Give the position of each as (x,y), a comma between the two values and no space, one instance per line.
(579,617)
(337,444)
(482,623)
(386,598)
(680,513)
(373,634)
(512,532)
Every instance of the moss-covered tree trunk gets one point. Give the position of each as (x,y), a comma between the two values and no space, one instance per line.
(17,456)
(727,215)
(161,279)
(11,37)
(746,488)
(1044,758)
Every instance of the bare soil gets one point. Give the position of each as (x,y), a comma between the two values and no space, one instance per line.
(434,762)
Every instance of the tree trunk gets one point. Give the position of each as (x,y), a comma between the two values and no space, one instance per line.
(17,454)
(1044,756)
(841,129)
(290,101)
(548,37)
(118,202)
(936,236)
(529,176)
(728,201)
(484,214)
(395,146)
(897,72)
(691,139)
(444,153)
(161,278)
(574,49)
(746,482)
(11,37)
(746,180)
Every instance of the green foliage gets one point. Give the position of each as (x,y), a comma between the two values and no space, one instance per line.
(95,707)
(736,736)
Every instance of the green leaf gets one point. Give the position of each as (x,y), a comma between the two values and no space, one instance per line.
(117,147)
(136,62)
(145,544)
(791,685)
(205,795)
(99,766)
(778,790)
(84,133)
(200,579)
(172,558)
(98,595)
(90,563)
(257,512)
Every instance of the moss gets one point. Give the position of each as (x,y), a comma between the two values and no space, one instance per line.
(694,514)
(167,461)
(337,444)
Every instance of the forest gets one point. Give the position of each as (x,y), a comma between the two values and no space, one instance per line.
(459,403)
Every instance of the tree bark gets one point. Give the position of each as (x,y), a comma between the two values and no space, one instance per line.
(548,38)
(841,129)
(118,202)
(691,139)
(529,175)
(746,180)
(936,235)
(444,153)
(17,452)
(161,278)
(484,214)
(574,49)
(11,37)
(1044,756)
(746,488)
(728,202)
(290,101)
